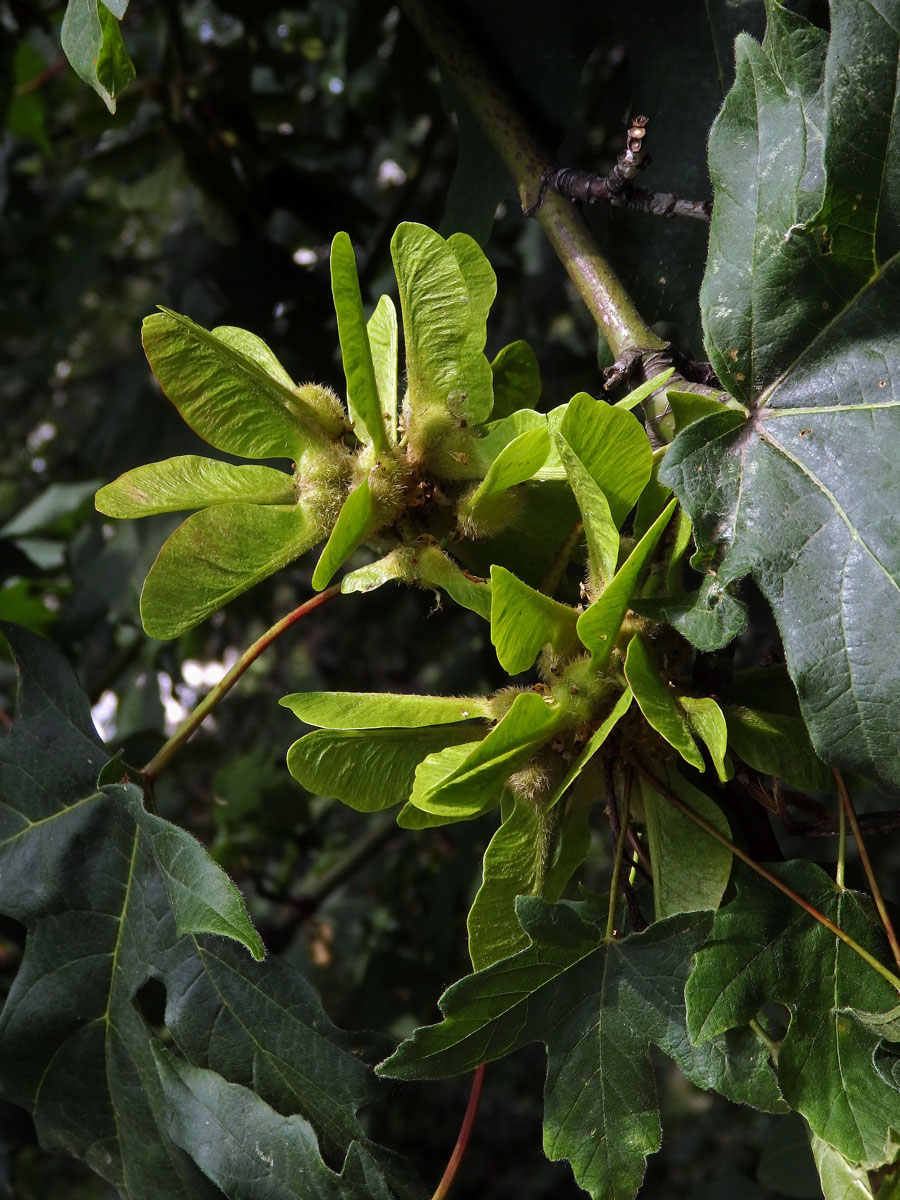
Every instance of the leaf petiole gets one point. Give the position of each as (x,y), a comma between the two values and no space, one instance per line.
(620,853)
(462,1141)
(687,811)
(848,809)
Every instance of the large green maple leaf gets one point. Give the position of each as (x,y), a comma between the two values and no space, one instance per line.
(763,949)
(800,303)
(598,1005)
(112,897)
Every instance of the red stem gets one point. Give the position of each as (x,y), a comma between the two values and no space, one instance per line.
(198,715)
(465,1132)
(877,896)
(703,824)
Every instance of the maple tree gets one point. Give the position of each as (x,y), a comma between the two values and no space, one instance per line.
(606,546)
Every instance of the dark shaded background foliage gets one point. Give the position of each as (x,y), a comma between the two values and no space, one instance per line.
(253,132)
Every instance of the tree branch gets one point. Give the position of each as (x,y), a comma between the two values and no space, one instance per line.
(526,160)
(617,188)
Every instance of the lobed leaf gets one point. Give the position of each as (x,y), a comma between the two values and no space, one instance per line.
(192,482)
(202,897)
(597,1005)
(800,302)
(764,949)
(244,1146)
(103,888)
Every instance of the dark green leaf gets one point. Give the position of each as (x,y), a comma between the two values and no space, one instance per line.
(100,885)
(245,1147)
(203,898)
(800,302)
(597,1005)
(237,1018)
(709,618)
(765,949)
(663,260)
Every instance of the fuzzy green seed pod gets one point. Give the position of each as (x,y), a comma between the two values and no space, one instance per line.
(323,477)
(388,477)
(319,403)
(442,444)
(490,515)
